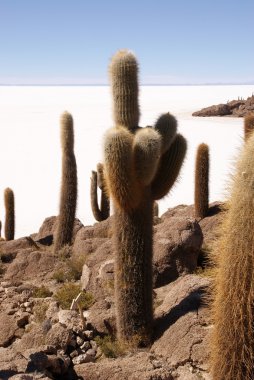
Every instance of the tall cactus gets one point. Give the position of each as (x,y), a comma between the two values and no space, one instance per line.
(9,202)
(102,212)
(248,125)
(68,198)
(141,165)
(201,201)
(232,345)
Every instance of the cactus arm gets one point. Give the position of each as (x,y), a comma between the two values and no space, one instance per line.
(124,79)
(119,171)
(166,125)
(169,168)
(146,151)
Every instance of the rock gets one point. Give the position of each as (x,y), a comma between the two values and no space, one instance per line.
(85,277)
(7,332)
(9,249)
(236,108)
(177,243)
(85,346)
(48,229)
(215,110)
(101,316)
(84,358)
(57,365)
(183,320)
(11,362)
(33,338)
(99,286)
(69,318)
(139,366)
(59,337)
(34,265)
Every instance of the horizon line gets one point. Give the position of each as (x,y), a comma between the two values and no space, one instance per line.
(107,85)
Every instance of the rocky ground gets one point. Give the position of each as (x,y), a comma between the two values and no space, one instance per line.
(235,108)
(41,338)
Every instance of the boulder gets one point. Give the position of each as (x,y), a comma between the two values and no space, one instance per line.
(182,323)
(9,249)
(177,243)
(31,265)
(49,227)
(8,329)
(215,110)
(139,366)
(235,108)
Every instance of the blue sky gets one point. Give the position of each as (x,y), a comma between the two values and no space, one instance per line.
(176,42)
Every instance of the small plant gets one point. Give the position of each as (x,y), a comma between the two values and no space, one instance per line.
(70,291)
(109,347)
(39,312)
(70,269)
(59,276)
(42,292)
(64,252)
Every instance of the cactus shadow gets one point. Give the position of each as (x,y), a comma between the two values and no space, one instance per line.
(191,303)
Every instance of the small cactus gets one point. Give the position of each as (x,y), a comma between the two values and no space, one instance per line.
(141,165)
(9,201)
(201,201)
(68,198)
(102,212)
(232,343)
(248,125)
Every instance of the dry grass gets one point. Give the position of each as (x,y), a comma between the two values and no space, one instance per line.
(68,292)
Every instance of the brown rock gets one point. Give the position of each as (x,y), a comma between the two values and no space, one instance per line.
(31,265)
(49,227)
(215,110)
(7,332)
(177,243)
(183,320)
(139,366)
(59,337)
(9,249)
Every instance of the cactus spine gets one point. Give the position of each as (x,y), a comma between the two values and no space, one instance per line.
(232,345)
(202,181)
(135,173)
(9,201)
(68,197)
(248,125)
(102,212)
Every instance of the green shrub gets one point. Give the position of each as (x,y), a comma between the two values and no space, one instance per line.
(70,269)
(42,292)
(39,312)
(68,292)
(110,348)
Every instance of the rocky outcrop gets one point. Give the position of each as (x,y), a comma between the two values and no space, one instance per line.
(41,340)
(177,243)
(235,108)
(181,333)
